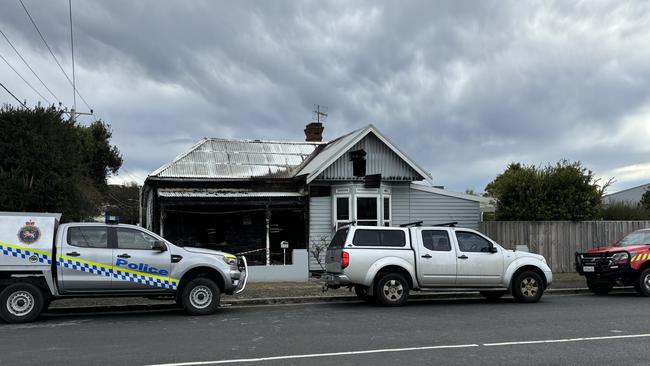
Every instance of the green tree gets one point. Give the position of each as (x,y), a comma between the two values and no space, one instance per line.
(645,200)
(564,191)
(123,200)
(48,163)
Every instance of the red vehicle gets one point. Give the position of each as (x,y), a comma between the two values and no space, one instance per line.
(624,263)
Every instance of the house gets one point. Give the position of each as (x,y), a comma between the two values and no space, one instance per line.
(250,196)
(630,196)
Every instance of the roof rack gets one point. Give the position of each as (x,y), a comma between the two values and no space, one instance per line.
(414,223)
(450,224)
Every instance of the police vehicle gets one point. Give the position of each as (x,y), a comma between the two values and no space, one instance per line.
(42,260)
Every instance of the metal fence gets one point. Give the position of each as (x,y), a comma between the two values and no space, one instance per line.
(557,241)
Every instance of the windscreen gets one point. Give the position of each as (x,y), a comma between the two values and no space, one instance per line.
(635,238)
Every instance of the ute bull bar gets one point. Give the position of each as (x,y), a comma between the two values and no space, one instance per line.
(600,263)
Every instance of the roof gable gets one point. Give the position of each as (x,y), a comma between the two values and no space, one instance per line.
(337,148)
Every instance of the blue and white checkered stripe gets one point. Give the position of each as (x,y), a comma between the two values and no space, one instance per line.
(25,254)
(116,273)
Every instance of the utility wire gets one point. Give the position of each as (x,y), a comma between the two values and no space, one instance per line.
(74,88)
(29,67)
(26,82)
(12,94)
(52,53)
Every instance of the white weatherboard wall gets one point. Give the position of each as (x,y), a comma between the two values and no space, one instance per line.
(296,272)
(320,225)
(412,204)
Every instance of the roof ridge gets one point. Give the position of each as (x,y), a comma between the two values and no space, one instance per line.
(266,141)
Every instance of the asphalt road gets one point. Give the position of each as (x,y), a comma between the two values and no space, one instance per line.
(559,330)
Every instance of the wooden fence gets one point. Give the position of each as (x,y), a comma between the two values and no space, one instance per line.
(557,241)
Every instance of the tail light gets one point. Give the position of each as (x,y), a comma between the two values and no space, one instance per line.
(345,259)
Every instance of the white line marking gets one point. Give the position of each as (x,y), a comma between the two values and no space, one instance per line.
(407,349)
(313,355)
(567,340)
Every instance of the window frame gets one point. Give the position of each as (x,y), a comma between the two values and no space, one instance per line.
(451,246)
(385,221)
(338,223)
(378,203)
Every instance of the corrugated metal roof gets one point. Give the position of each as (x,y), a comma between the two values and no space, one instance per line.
(238,159)
(221,193)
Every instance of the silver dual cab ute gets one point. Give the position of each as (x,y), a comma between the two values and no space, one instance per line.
(384,263)
(42,260)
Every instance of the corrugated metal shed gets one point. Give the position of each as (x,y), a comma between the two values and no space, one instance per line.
(238,159)
(221,193)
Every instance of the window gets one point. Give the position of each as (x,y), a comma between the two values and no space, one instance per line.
(339,239)
(386,211)
(470,242)
(367,211)
(88,237)
(134,239)
(342,211)
(385,238)
(436,240)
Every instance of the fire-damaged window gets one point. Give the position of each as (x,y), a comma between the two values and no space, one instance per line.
(367,210)
(342,210)
(358,158)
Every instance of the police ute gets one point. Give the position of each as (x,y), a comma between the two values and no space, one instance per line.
(42,260)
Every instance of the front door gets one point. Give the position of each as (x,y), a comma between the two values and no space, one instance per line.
(84,259)
(139,267)
(437,258)
(477,265)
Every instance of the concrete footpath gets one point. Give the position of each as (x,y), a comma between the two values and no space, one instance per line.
(271,293)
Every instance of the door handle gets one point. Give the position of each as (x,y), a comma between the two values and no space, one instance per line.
(124,256)
(463,257)
(73,254)
(426,256)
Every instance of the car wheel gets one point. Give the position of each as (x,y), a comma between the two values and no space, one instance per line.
(527,287)
(201,296)
(21,303)
(362,293)
(492,295)
(599,288)
(643,286)
(392,290)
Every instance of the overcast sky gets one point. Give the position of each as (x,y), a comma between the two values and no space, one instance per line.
(463,87)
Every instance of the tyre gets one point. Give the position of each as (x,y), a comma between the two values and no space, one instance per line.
(392,290)
(599,288)
(492,295)
(21,303)
(362,293)
(201,296)
(527,287)
(643,283)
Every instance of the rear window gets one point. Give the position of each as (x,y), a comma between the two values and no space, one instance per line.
(339,239)
(379,238)
(88,237)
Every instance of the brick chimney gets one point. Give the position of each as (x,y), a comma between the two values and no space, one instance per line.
(314,132)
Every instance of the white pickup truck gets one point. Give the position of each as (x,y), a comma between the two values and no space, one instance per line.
(41,261)
(384,263)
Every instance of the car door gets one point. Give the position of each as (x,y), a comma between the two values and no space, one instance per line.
(84,259)
(437,258)
(138,266)
(478,265)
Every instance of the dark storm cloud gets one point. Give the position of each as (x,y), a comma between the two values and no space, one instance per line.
(463,87)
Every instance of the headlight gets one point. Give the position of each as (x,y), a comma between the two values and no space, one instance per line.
(230,259)
(618,258)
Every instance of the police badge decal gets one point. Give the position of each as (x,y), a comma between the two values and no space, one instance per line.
(29,234)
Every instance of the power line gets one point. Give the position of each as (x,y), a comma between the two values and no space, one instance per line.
(52,53)
(26,82)
(12,94)
(29,67)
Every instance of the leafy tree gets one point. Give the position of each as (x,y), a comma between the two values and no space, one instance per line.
(48,163)
(645,200)
(625,211)
(564,191)
(123,200)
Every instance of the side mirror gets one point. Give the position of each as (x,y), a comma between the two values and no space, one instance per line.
(493,249)
(159,246)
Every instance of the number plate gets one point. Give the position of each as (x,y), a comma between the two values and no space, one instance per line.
(587,269)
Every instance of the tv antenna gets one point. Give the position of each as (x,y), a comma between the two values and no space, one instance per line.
(320,113)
